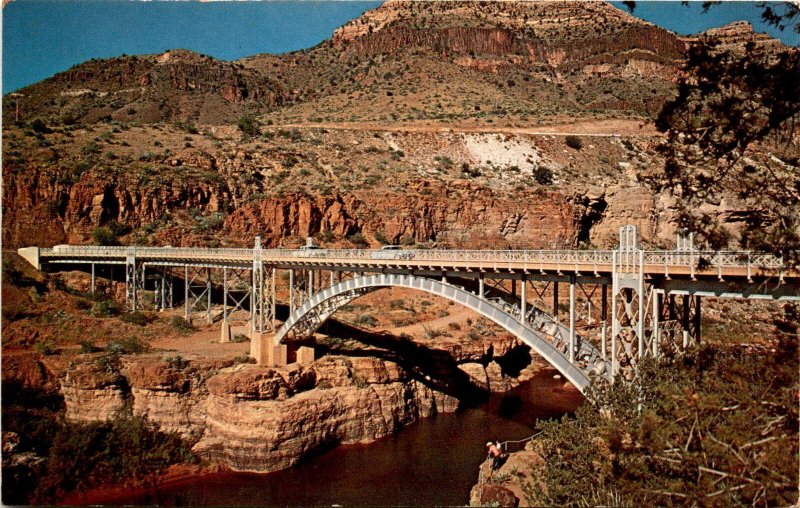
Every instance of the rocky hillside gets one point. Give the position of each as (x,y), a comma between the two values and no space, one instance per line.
(177,85)
(413,124)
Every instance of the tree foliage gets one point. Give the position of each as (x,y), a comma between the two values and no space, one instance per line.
(730,133)
(126,448)
(716,427)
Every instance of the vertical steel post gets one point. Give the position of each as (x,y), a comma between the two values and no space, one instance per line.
(94,281)
(523,300)
(572,319)
(555,300)
(685,320)
(208,299)
(332,278)
(291,290)
(163,289)
(614,319)
(655,336)
(274,273)
(603,319)
(697,319)
(309,283)
(186,292)
(642,306)
(480,285)
(225,295)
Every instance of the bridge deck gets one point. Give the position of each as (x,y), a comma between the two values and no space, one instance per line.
(669,264)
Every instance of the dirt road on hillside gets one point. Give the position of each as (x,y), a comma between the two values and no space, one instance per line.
(589,128)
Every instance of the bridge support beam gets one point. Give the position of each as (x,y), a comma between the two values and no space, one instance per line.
(94,281)
(163,290)
(265,352)
(262,295)
(572,320)
(134,281)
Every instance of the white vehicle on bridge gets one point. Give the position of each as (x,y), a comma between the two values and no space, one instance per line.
(391,252)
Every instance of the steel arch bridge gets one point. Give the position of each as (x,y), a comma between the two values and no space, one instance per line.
(623,304)
(538,330)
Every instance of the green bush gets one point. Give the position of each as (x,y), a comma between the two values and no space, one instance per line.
(716,427)
(87,346)
(366,320)
(239,338)
(136,318)
(249,126)
(543,175)
(573,142)
(104,309)
(176,362)
(103,236)
(127,346)
(179,324)
(46,347)
(358,240)
(120,450)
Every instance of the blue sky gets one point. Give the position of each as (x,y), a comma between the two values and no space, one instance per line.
(43,37)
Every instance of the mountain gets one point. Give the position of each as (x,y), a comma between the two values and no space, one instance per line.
(419,122)
(177,85)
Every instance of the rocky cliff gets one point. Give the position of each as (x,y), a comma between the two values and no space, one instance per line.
(254,418)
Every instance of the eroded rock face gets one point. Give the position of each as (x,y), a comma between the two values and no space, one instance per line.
(256,418)
(93,392)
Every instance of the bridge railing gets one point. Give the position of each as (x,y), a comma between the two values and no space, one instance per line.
(713,259)
(671,259)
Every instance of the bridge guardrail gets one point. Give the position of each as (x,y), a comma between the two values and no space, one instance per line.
(669,259)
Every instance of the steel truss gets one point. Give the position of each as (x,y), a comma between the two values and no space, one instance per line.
(236,287)
(197,291)
(163,292)
(134,281)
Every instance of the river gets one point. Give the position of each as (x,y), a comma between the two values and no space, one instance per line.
(431,462)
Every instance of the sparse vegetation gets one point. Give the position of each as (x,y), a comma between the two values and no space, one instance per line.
(249,126)
(716,427)
(573,142)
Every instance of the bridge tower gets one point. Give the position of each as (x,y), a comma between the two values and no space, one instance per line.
(627,303)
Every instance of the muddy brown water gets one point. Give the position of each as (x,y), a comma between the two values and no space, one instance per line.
(433,462)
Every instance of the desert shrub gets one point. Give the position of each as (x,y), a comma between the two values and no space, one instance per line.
(127,346)
(123,449)
(104,309)
(88,346)
(240,338)
(39,126)
(543,175)
(249,126)
(176,362)
(358,240)
(136,318)
(715,427)
(104,236)
(573,142)
(454,326)
(45,347)
(380,237)
(366,320)
(179,324)
(244,358)
(11,274)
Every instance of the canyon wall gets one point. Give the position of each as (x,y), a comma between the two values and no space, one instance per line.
(254,418)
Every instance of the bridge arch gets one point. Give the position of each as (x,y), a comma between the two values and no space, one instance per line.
(305,320)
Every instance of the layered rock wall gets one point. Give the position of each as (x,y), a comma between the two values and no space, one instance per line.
(254,418)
